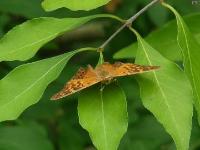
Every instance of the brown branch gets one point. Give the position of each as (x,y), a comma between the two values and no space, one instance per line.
(127,23)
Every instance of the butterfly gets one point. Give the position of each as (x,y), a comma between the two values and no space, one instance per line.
(105,72)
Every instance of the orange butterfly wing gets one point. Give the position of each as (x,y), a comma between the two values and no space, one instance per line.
(82,79)
(124,69)
(87,77)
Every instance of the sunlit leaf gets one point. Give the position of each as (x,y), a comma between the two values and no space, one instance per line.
(50,5)
(23,41)
(25,85)
(103,113)
(191,53)
(166,93)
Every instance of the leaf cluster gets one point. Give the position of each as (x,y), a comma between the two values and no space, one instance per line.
(169,93)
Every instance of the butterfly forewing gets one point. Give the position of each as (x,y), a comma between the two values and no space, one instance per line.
(82,79)
(80,74)
(124,69)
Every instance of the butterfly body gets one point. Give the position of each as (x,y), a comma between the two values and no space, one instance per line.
(103,73)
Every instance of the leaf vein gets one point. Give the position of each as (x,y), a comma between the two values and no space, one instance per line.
(190,61)
(162,91)
(33,84)
(103,119)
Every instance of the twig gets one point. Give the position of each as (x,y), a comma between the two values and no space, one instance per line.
(127,23)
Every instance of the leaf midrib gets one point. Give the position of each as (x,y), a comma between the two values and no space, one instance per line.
(103,119)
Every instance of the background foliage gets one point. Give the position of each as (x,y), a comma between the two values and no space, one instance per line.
(54,125)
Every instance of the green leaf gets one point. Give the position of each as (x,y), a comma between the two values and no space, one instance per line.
(25,85)
(23,41)
(31,8)
(191,53)
(167,44)
(50,5)
(166,93)
(103,113)
(145,134)
(71,135)
(158,18)
(29,137)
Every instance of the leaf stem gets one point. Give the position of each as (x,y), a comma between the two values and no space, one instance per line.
(113,17)
(127,23)
(87,48)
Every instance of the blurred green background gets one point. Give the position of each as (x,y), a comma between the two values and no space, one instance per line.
(54,125)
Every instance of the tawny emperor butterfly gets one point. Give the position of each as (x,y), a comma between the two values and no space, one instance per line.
(87,77)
